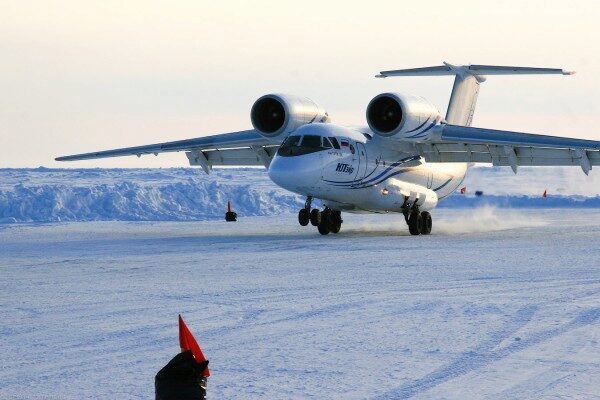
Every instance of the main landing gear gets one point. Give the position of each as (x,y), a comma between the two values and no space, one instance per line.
(419,223)
(326,221)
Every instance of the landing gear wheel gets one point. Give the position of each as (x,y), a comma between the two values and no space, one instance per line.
(315,217)
(335,221)
(427,223)
(336,228)
(415,223)
(323,228)
(303,217)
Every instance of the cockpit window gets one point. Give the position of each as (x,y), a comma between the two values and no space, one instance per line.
(335,143)
(292,141)
(312,141)
(298,145)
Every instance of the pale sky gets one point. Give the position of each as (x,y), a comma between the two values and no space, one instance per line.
(79,76)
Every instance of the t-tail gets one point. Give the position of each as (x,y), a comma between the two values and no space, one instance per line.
(466,84)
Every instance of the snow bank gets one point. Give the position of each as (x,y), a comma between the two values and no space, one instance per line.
(136,195)
(179,194)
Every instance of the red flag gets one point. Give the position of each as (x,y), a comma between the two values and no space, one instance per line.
(463,190)
(545,194)
(188,342)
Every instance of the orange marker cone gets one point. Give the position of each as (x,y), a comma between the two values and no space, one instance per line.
(188,342)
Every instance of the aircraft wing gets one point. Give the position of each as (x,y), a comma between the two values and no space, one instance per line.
(505,148)
(234,148)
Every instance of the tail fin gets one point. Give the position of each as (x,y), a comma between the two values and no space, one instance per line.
(466,84)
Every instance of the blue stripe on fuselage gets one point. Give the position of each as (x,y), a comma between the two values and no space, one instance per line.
(392,166)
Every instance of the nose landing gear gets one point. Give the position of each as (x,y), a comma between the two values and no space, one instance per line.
(326,221)
(304,215)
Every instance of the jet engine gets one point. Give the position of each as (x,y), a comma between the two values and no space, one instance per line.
(402,117)
(277,115)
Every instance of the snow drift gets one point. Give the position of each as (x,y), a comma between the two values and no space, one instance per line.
(136,195)
(179,194)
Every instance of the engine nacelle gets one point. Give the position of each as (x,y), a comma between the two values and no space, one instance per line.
(277,115)
(402,116)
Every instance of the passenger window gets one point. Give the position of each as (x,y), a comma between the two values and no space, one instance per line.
(312,141)
(335,143)
(326,143)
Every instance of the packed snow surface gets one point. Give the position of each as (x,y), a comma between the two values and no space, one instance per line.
(495,303)
(184,194)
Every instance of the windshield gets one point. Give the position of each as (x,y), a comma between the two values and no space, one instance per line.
(298,145)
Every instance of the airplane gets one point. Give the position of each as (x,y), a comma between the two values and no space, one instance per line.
(405,161)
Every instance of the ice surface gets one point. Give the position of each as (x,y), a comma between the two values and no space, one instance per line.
(184,194)
(494,304)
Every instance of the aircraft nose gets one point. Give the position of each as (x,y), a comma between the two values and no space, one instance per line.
(290,174)
(283,173)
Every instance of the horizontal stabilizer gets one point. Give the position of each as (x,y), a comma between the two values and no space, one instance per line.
(473,69)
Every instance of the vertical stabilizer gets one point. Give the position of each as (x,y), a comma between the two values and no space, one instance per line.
(463,99)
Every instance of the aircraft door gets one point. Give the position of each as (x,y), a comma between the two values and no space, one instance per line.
(361,153)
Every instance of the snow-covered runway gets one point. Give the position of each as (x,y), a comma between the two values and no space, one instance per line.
(495,304)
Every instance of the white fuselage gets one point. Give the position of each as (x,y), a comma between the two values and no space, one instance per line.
(360,174)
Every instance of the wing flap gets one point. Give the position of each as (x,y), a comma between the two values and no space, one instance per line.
(240,157)
(496,157)
(507,148)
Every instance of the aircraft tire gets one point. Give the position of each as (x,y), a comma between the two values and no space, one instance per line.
(315,217)
(335,228)
(323,228)
(303,217)
(415,223)
(335,221)
(427,223)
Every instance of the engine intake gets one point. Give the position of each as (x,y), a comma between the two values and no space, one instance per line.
(408,117)
(277,115)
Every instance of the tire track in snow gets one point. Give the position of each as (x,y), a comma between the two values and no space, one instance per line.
(483,354)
